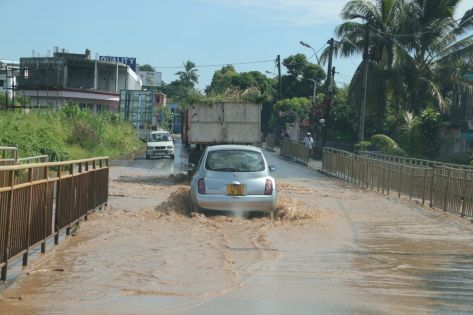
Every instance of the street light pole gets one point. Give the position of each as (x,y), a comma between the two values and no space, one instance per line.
(308,46)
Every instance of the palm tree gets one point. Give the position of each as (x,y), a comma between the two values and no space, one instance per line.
(382,17)
(438,54)
(418,51)
(189,76)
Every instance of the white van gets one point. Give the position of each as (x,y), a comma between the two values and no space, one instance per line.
(159,143)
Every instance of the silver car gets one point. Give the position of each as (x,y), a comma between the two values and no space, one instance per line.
(233,178)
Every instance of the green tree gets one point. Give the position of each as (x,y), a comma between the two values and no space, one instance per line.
(299,80)
(418,53)
(222,80)
(147,67)
(189,76)
(301,105)
(427,131)
(343,123)
(438,55)
(227,79)
(176,91)
(382,16)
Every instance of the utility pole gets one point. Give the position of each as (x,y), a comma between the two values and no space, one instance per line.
(278,61)
(328,91)
(361,131)
(329,106)
(330,101)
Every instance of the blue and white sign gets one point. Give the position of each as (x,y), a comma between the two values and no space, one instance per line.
(131,62)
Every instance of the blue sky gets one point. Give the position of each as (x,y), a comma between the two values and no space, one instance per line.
(165,33)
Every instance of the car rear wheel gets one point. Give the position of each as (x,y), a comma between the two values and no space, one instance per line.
(196,208)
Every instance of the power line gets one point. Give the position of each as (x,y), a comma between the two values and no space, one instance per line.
(216,65)
(344,75)
(316,53)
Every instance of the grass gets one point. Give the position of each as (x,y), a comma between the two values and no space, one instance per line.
(68,133)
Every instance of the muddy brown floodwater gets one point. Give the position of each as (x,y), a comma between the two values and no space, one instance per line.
(332,249)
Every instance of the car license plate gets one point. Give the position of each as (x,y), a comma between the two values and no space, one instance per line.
(235,190)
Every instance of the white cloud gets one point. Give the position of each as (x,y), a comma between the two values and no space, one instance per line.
(294,12)
(301,12)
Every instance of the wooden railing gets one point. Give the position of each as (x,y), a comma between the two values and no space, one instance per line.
(38,201)
(447,188)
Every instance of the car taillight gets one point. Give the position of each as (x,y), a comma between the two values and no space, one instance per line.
(201,186)
(268,188)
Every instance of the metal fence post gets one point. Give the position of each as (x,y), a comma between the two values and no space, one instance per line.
(378,178)
(389,177)
(58,206)
(45,227)
(28,218)
(432,186)
(384,179)
(462,205)
(411,188)
(400,182)
(467,202)
(72,205)
(6,249)
(446,191)
(424,188)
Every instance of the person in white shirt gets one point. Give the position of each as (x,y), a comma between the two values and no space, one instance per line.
(309,141)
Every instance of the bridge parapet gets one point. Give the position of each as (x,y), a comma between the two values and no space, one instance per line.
(445,186)
(40,200)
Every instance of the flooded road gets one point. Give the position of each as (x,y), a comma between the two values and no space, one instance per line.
(332,249)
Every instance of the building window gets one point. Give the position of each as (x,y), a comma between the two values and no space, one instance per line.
(1,83)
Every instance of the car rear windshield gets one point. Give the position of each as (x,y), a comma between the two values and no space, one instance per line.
(159,137)
(234,161)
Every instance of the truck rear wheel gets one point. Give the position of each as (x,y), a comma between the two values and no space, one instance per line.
(194,156)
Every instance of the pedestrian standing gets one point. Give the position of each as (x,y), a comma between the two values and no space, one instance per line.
(308,140)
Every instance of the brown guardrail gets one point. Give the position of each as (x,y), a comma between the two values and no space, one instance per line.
(447,188)
(38,201)
(295,150)
(8,156)
(413,161)
(33,159)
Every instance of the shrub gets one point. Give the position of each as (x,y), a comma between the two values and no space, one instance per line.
(387,145)
(363,145)
(427,133)
(67,133)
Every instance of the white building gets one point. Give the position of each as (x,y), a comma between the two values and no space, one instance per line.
(8,73)
(66,77)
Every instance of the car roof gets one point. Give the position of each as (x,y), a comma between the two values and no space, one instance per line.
(233,147)
(159,131)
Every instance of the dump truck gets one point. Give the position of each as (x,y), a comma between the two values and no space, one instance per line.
(220,123)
